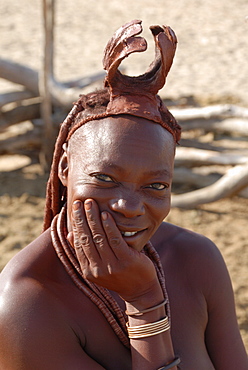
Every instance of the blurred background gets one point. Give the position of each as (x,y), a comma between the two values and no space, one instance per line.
(210,68)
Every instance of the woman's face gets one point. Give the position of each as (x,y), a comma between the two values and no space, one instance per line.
(125,164)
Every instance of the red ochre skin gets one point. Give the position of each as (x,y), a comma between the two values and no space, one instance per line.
(122,168)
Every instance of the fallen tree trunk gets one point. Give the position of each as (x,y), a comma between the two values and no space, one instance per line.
(229,185)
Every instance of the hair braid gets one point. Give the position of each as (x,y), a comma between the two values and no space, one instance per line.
(87,108)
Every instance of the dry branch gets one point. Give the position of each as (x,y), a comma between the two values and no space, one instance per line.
(19,114)
(244,193)
(19,74)
(230,184)
(187,176)
(21,142)
(193,143)
(61,94)
(191,157)
(231,125)
(14,97)
(209,112)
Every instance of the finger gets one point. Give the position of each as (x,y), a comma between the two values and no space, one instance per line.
(70,238)
(82,259)
(115,239)
(82,235)
(98,234)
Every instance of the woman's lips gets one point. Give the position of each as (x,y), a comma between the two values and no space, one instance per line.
(131,237)
(128,233)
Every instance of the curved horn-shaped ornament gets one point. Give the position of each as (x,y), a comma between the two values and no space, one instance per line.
(138,95)
(123,43)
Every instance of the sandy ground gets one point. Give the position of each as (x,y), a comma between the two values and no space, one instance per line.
(210,66)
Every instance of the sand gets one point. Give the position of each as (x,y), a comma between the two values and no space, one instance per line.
(210,67)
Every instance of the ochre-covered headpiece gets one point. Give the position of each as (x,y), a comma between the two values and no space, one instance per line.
(136,95)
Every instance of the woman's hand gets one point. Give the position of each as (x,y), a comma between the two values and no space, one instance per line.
(104,256)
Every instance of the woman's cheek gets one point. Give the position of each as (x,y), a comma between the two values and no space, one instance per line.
(101,196)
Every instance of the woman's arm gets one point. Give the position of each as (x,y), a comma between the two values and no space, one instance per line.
(146,351)
(223,339)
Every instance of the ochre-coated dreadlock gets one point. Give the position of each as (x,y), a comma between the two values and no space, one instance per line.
(136,96)
(89,107)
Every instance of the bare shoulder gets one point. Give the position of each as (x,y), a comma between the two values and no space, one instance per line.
(192,254)
(36,327)
(26,286)
(183,243)
(34,278)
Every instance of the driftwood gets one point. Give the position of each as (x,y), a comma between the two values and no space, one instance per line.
(229,185)
(193,143)
(191,157)
(184,176)
(19,114)
(30,140)
(63,94)
(15,97)
(231,126)
(210,112)
(19,74)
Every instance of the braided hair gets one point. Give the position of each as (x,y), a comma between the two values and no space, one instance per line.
(88,107)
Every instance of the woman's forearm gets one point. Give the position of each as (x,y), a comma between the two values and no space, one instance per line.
(150,352)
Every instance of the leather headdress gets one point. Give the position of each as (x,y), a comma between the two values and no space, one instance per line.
(137,95)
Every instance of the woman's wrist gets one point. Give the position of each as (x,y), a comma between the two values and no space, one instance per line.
(152,297)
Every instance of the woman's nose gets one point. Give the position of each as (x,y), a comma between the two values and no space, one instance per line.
(128,206)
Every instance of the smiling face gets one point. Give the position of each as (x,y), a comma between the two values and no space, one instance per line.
(125,164)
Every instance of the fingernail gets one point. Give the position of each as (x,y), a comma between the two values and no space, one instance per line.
(76,205)
(104,216)
(88,205)
(70,237)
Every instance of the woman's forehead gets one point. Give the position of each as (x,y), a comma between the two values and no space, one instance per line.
(121,129)
(134,147)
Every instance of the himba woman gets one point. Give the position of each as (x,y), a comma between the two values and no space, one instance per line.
(108,284)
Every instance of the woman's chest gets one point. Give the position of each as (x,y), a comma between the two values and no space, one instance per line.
(189,318)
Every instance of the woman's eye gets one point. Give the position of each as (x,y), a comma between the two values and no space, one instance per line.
(158,186)
(103,177)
